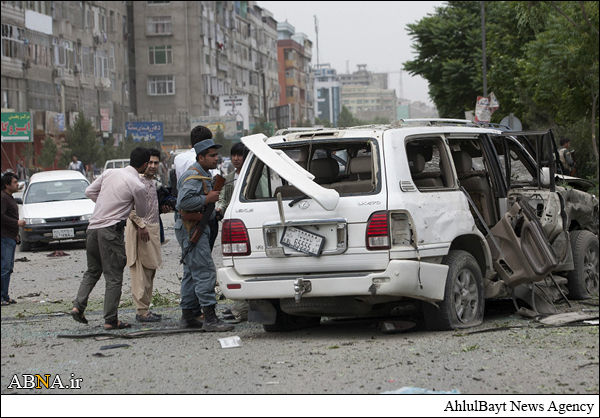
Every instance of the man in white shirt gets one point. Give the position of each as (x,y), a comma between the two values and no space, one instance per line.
(183,161)
(76,165)
(115,193)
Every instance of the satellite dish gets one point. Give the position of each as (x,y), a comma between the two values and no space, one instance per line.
(512,122)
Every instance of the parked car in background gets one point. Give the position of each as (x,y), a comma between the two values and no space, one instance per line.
(55,208)
(118,163)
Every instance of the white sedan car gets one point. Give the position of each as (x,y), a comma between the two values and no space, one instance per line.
(55,208)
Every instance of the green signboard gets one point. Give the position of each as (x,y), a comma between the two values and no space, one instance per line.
(16,127)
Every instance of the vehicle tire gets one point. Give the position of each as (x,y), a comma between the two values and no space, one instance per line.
(582,281)
(25,246)
(464,298)
(286,322)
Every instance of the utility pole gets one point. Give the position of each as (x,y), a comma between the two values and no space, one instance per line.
(485,94)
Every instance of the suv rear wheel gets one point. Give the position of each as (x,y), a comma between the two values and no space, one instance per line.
(464,298)
(583,279)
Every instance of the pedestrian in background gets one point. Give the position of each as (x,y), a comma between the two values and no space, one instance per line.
(199,274)
(9,231)
(76,165)
(115,193)
(143,245)
(238,151)
(565,156)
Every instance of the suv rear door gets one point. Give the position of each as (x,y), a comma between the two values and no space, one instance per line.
(330,203)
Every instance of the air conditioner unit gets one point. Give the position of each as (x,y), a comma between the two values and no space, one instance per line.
(55,72)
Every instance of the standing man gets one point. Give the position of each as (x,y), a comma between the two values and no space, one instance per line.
(199,273)
(76,165)
(9,231)
(183,161)
(143,244)
(239,151)
(21,172)
(115,193)
(565,156)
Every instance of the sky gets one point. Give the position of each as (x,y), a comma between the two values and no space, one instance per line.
(360,32)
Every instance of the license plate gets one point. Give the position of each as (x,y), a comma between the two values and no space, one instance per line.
(303,241)
(63,233)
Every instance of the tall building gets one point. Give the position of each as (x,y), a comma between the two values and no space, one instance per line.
(367,96)
(190,56)
(294,51)
(327,94)
(62,57)
(150,61)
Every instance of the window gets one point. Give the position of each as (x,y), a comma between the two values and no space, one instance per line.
(64,54)
(101,63)
(158,2)
(161,85)
(87,60)
(159,25)
(289,92)
(111,22)
(12,44)
(111,57)
(429,164)
(160,54)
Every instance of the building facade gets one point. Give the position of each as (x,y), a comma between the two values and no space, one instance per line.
(366,94)
(294,52)
(327,94)
(191,55)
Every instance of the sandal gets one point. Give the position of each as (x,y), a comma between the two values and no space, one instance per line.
(11,301)
(116,325)
(5,303)
(78,316)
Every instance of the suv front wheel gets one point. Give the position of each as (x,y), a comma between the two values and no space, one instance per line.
(464,298)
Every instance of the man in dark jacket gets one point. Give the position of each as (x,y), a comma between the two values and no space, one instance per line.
(9,231)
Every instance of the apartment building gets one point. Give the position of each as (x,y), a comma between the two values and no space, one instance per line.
(189,56)
(367,96)
(294,51)
(64,57)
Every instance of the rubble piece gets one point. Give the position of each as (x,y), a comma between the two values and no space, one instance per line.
(566,318)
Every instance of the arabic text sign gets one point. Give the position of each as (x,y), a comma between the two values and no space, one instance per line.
(16,127)
(145,131)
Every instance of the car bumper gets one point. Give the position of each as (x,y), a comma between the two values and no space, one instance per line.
(402,278)
(44,232)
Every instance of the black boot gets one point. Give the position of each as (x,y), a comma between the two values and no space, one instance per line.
(187,319)
(212,323)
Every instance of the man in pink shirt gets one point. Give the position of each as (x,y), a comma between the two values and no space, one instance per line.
(115,193)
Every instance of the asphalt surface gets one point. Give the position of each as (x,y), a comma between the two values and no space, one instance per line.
(506,355)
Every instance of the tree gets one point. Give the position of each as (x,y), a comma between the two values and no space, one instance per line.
(561,66)
(324,122)
(48,154)
(81,141)
(346,118)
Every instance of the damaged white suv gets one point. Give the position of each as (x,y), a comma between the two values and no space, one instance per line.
(442,213)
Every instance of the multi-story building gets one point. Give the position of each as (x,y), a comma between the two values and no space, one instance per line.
(62,57)
(166,61)
(294,51)
(327,93)
(363,77)
(367,103)
(189,55)
(366,94)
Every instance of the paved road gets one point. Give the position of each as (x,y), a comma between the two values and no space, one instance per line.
(339,357)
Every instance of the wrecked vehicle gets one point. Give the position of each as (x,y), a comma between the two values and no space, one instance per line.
(442,213)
